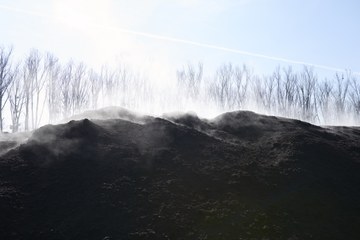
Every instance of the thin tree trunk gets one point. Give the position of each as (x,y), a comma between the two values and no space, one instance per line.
(1,117)
(27,115)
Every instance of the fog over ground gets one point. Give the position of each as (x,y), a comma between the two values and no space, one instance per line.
(41,89)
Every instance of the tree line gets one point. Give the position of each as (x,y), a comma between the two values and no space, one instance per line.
(285,92)
(40,85)
(39,88)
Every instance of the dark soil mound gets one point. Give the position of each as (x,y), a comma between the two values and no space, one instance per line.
(112,113)
(238,176)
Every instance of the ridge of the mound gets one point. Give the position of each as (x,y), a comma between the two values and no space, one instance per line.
(111,112)
(74,129)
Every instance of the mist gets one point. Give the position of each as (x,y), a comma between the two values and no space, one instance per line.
(41,89)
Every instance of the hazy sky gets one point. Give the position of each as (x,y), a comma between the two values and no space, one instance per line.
(162,34)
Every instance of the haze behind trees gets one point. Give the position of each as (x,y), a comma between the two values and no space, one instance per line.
(40,89)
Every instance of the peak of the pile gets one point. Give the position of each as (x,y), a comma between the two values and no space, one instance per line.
(246,117)
(74,128)
(111,112)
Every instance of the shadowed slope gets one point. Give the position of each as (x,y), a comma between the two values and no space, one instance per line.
(237,176)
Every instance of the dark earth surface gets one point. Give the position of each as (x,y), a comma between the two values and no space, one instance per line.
(126,176)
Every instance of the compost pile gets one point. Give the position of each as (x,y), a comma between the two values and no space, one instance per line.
(125,176)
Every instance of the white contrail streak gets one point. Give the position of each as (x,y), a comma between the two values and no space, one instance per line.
(19,10)
(184,41)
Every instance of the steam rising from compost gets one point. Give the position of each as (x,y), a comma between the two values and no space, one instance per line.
(42,89)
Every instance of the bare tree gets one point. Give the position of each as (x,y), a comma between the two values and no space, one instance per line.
(221,88)
(79,89)
(65,88)
(16,93)
(33,67)
(5,79)
(242,78)
(290,84)
(95,87)
(110,83)
(280,92)
(341,93)
(189,80)
(324,97)
(123,78)
(306,94)
(53,88)
(143,91)
(36,71)
(355,94)
(264,91)
(28,81)
(286,85)
(73,88)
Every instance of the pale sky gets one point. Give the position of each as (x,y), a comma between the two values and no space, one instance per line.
(162,35)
